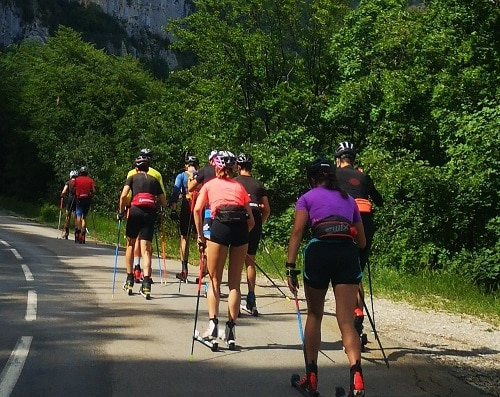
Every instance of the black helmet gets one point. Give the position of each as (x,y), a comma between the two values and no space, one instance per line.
(142,163)
(244,158)
(84,171)
(192,160)
(345,150)
(146,153)
(320,167)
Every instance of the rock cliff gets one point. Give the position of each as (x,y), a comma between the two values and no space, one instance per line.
(119,26)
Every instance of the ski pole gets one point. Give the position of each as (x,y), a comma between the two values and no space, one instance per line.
(269,278)
(370,287)
(374,331)
(201,247)
(301,329)
(158,253)
(93,226)
(60,212)
(163,254)
(271,258)
(116,258)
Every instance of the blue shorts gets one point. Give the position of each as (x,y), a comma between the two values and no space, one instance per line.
(331,261)
(82,207)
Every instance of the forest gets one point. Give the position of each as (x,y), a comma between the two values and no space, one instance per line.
(414,87)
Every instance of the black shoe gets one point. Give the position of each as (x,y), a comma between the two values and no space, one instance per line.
(182,276)
(129,285)
(145,289)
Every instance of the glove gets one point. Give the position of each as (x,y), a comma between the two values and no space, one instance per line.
(202,244)
(120,215)
(174,216)
(292,279)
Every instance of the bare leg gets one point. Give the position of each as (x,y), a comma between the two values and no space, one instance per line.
(315,308)
(216,256)
(345,298)
(236,259)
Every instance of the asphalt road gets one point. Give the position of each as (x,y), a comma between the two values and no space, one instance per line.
(63,333)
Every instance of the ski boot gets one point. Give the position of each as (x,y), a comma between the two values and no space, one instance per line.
(212,331)
(129,284)
(145,289)
(82,238)
(251,305)
(65,233)
(182,276)
(209,338)
(358,324)
(357,382)
(137,273)
(308,384)
(77,236)
(230,335)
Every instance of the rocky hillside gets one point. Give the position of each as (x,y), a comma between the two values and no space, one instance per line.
(118,26)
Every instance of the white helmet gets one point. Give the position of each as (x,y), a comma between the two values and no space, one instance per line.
(73,174)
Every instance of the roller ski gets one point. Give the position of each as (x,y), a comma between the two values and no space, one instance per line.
(306,385)
(358,324)
(129,285)
(209,339)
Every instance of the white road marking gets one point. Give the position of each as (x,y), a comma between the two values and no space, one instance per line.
(31,306)
(13,368)
(5,243)
(16,254)
(27,273)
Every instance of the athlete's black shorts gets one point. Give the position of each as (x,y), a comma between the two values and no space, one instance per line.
(255,234)
(230,233)
(71,203)
(331,261)
(141,222)
(186,220)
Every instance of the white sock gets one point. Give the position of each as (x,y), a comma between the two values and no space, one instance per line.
(137,260)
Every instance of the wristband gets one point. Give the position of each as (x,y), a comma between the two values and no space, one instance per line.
(292,273)
(290,265)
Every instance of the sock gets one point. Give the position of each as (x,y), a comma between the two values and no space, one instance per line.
(137,260)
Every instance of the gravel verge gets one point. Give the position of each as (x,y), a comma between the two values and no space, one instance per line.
(466,345)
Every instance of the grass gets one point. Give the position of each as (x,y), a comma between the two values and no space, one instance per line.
(427,290)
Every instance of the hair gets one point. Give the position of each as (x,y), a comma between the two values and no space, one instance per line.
(245,166)
(224,173)
(328,179)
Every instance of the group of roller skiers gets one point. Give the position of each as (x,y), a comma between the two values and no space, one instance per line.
(78,192)
(226,211)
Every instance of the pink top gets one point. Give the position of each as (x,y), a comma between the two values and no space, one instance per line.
(220,192)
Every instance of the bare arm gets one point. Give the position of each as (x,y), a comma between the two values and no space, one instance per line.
(300,222)
(251,219)
(266,209)
(123,198)
(360,237)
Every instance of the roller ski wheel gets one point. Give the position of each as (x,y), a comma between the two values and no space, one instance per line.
(340,392)
(295,382)
(212,344)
